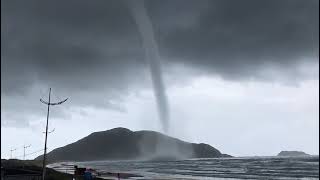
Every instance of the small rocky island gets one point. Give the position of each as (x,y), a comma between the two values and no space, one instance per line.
(293,153)
(124,144)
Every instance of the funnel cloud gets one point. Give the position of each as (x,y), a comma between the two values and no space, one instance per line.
(152,55)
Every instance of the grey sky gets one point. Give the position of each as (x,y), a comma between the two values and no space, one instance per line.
(91,51)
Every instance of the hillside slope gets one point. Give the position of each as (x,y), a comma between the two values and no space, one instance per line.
(123,144)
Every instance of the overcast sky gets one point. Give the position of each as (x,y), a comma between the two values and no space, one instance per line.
(241,76)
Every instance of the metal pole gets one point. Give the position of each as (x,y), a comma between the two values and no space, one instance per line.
(45,143)
(11,150)
(24,151)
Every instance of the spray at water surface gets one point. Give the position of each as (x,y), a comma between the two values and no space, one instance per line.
(151,49)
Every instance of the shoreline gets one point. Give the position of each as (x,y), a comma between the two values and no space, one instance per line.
(64,167)
(23,168)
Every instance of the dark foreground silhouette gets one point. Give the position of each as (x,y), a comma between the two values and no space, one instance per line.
(18,169)
(15,169)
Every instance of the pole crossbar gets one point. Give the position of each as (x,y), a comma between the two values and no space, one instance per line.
(53,104)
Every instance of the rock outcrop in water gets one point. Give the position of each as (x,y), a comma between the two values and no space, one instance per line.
(293,153)
(123,144)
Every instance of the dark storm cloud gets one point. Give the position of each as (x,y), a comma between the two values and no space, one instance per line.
(76,45)
(237,39)
(58,39)
(92,49)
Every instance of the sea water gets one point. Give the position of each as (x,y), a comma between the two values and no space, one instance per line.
(215,168)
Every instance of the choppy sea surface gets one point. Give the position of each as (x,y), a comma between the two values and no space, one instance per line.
(214,168)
